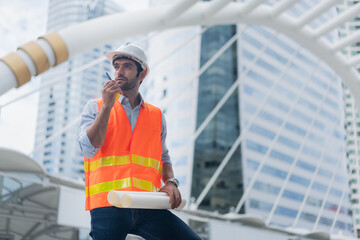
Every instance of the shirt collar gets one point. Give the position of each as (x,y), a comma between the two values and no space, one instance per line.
(123,98)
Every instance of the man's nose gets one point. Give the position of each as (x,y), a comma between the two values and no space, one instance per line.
(120,71)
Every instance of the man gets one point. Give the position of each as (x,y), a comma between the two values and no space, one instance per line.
(123,143)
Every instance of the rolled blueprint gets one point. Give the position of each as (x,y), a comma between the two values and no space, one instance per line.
(150,200)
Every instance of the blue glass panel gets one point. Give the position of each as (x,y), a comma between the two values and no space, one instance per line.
(252,164)
(293,81)
(256,147)
(262,63)
(274,172)
(263,206)
(301,116)
(265,187)
(317,139)
(335,192)
(285,92)
(307,104)
(286,211)
(252,40)
(249,107)
(248,55)
(332,103)
(281,106)
(299,180)
(293,195)
(310,151)
(288,142)
(325,173)
(305,59)
(295,129)
(262,31)
(320,187)
(313,93)
(319,82)
(328,115)
(334,91)
(299,70)
(262,131)
(260,79)
(252,92)
(270,117)
(306,166)
(281,156)
(276,56)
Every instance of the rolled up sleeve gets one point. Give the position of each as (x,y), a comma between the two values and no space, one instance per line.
(87,118)
(165,154)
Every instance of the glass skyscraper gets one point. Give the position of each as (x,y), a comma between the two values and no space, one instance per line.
(289,164)
(352,120)
(61,103)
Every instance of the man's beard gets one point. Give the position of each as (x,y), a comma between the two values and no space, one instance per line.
(128,85)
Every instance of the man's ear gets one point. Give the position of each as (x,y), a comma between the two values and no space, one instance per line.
(142,75)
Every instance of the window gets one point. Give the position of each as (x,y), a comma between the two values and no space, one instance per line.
(256,147)
(262,206)
(320,187)
(265,187)
(293,195)
(288,142)
(301,116)
(271,118)
(295,129)
(299,180)
(262,131)
(286,212)
(274,172)
(260,79)
(280,105)
(307,166)
(308,217)
(281,156)
(252,164)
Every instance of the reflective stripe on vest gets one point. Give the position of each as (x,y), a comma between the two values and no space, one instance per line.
(147,162)
(128,160)
(115,160)
(120,184)
(106,161)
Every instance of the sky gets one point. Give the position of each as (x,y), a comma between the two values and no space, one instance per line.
(22,21)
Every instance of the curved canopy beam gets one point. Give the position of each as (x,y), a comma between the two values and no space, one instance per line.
(36,57)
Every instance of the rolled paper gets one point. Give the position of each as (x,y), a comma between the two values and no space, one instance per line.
(149,200)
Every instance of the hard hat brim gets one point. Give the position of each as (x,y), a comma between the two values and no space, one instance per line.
(110,57)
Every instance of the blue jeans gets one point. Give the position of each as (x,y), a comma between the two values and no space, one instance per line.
(112,223)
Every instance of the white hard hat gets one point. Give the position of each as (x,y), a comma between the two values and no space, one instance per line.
(131,51)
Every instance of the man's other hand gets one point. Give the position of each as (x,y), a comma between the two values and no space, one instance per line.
(174,194)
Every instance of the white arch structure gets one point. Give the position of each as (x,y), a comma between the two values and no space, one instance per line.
(49,50)
(54,48)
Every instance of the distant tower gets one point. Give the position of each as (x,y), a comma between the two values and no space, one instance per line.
(63,102)
(352,121)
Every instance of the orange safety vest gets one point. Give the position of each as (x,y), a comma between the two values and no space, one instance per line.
(128,160)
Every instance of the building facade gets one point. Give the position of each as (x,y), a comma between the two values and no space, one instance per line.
(62,103)
(281,131)
(352,120)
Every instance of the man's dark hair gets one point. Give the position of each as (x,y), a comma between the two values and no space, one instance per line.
(138,66)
